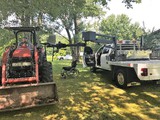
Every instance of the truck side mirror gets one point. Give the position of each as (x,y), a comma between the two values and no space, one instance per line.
(51,39)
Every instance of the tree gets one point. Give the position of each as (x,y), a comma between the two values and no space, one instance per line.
(32,12)
(74,13)
(28,12)
(70,17)
(128,3)
(121,27)
(152,39)
(63,14)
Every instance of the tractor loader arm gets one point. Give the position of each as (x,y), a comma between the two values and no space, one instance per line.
(27,96)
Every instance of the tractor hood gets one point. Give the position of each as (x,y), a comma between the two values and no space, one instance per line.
(22,52)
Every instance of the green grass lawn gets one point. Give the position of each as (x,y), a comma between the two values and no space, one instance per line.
(93,96)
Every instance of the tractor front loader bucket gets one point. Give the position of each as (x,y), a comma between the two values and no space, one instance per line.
(26,96)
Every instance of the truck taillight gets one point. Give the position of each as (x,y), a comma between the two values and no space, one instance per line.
(144,71)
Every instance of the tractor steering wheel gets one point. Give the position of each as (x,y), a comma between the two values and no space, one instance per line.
(25,43)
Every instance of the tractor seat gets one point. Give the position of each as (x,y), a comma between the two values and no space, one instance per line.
(26,45)
(73,65)
(67,68)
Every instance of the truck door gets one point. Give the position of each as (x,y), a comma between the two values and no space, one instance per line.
(98,56)
(88,57)
(105,58)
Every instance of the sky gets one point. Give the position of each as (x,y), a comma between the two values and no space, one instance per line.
(147,12)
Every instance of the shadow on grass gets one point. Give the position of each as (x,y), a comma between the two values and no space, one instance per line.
(93,96)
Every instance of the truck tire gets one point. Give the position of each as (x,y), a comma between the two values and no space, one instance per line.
(46,74)
(121,78)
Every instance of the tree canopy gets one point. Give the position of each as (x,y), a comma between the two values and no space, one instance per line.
(121,27)
(152,40)
(55,16)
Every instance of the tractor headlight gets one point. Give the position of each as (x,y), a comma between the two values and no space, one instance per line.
(19,64)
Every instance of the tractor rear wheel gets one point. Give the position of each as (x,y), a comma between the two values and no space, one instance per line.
(46,74)
(0,76)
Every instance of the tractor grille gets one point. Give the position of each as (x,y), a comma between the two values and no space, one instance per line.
(21,64)
(20,67)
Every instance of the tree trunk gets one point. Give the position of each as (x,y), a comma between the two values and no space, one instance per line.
(26,17)
(70,42)
(40,19)
(76,37)
(25,20)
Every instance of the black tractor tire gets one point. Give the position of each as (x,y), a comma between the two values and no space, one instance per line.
(46,74)
(121,78)
(0,76)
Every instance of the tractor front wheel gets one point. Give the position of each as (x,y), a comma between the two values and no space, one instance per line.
(46,74)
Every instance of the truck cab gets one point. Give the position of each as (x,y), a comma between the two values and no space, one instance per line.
(100,59)
(104,55)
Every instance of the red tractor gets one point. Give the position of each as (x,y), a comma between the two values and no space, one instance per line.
(26,73)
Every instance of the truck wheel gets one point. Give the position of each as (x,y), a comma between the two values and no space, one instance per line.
(46,74)
(121,79)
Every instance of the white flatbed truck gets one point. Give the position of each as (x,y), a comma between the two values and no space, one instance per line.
(126,60)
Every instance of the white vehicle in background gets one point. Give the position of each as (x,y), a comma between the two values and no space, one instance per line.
(66,57)
(126,60)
